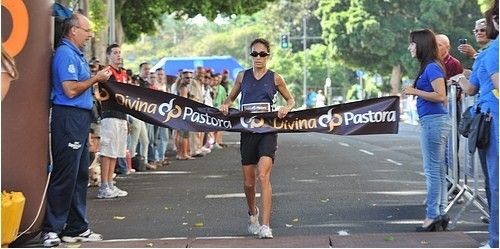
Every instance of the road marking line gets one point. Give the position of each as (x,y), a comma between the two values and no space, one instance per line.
(396,181)
(344,144)
(307,180)
(342,175)
(404,222)
(161,172)
(475,232)
(143,239)
(392,161)
(214,176)
(233,195)
(222,237)
(331,225)
(412,192)
(236,143)
(367,152)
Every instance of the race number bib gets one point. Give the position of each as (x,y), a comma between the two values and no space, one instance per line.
(256,107)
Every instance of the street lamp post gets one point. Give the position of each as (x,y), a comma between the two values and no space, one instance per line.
(111,18)
(304,47)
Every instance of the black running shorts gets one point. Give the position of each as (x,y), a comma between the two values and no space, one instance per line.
(255,145)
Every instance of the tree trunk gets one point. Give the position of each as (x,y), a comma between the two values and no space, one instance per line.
(100,41)
(395,80)
(120,35)
(119,30)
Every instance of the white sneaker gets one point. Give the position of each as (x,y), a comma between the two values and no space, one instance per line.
(217,146)
(485,244)
(119,192)
(106,193)
(253,223)
(265,232)
(205,150)
(50,239)
(83,237)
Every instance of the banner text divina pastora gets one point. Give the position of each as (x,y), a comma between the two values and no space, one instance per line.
(204,118)
(297,124)
(136,104)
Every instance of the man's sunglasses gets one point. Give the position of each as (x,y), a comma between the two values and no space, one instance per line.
(479,30)
(261,54)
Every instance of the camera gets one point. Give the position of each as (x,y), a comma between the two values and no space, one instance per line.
(462,41)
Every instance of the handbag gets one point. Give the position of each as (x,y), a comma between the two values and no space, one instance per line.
(479,132)
(483,137)
(138,163)
(466,121)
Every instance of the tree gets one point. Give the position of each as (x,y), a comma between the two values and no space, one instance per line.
(144,16)
(319,67)
(373,35)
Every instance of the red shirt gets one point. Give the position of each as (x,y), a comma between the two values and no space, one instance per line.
(119,75)
(452,66)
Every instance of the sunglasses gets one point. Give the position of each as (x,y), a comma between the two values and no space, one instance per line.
(261,54)
(478,30)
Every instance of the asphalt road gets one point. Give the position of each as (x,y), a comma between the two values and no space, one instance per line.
(322,184)
(356,191)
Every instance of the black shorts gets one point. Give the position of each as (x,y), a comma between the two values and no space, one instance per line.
(255,145)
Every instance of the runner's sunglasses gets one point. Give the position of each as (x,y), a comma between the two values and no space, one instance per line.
(261,54)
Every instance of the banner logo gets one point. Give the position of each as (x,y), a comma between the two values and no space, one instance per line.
(330,121)
(252,122)
(170,111)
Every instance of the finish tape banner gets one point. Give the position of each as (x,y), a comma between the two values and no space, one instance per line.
(372,116)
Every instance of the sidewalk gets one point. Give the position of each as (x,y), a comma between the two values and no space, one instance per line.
(397,240)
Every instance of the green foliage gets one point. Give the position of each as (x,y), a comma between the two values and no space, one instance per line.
(373,35)
(144,17)
(97,15)
(141,17)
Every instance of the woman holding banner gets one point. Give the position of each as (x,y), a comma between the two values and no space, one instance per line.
(430,89)
(258,87)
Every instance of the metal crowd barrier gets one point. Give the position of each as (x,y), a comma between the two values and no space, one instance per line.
(465,180)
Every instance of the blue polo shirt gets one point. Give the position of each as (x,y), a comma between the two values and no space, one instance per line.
(485,65)
(425,107)
(69,64)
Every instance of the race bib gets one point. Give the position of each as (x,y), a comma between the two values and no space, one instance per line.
(256,107)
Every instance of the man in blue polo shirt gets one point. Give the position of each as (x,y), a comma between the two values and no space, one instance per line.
(70,125)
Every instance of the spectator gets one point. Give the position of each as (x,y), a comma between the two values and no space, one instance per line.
(70,126)
(138,130)
(311,99)
(162,132)
(484,41)
(481,39)
(113,130)
(430,89)
(452,67)
(182,137)
(320,99)
(220,96)
(484,80)
(259,85)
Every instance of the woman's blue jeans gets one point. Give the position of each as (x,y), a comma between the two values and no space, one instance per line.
(435,130)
